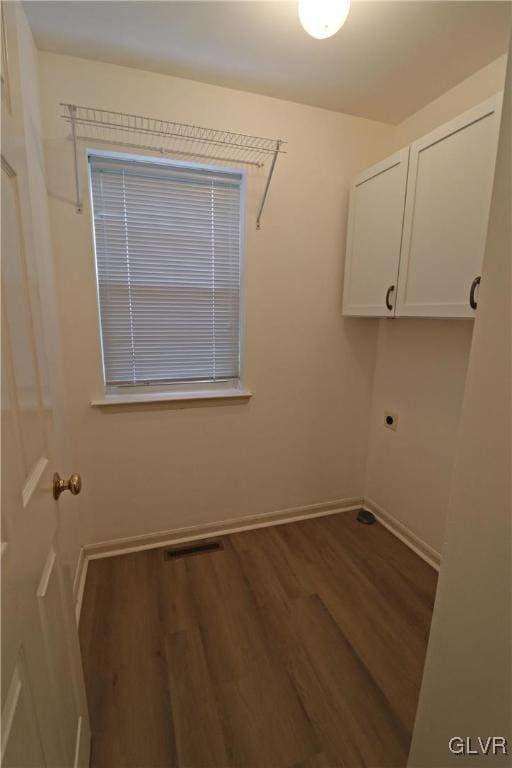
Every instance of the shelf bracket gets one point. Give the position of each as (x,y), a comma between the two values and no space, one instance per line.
(267,184)
(78,186)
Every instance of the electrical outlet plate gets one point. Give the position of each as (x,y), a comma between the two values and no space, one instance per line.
(389,416)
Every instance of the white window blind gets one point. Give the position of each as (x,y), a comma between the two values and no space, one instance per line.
(167,241)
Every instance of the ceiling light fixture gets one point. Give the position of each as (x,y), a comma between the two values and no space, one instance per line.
(323,18)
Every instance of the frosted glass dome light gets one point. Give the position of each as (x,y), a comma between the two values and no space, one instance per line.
(323,18)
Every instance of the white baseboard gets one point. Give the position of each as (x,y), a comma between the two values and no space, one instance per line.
(222,527)
(207,530)
(78,743)
(79,583)
(424,550)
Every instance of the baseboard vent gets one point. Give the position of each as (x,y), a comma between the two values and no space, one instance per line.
(200,548)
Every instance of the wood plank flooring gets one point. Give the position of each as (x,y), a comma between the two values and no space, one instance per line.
(300,646)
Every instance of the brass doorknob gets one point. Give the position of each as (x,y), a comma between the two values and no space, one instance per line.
(74,484)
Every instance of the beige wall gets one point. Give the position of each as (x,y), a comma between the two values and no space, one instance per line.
(313,430)
(466,684)
(302,437)
(466,94)
(420,373)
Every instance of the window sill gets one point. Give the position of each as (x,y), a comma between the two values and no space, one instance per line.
(172,397)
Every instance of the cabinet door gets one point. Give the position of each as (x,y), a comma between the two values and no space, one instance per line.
(374,235)
(451,173)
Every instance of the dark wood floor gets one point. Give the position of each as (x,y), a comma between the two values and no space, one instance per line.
(297,645)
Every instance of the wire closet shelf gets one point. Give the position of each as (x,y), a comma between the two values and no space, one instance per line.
(181,140)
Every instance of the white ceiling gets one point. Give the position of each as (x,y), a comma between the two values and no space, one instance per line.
(389,60)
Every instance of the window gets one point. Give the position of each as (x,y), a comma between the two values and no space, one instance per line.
(167,243)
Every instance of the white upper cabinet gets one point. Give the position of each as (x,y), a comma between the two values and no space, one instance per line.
(374,235)
(432,254)
(451,174)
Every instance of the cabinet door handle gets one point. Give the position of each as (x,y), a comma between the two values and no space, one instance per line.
(472,301)
(388,294)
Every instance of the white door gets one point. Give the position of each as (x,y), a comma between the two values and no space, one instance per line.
(451,172)
(374,237)
(44,719)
